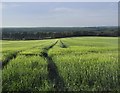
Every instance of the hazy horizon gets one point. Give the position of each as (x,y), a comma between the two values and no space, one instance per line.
(50,26)
(62,14)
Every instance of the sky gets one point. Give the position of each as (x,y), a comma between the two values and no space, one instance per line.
(60,0)
(59,14)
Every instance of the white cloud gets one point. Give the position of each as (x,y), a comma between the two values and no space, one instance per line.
(81,12)
(63,10)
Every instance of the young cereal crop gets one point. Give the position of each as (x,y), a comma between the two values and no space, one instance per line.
(26,73)
(69,64)
(88,66)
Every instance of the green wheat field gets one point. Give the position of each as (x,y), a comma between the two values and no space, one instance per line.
(66,64)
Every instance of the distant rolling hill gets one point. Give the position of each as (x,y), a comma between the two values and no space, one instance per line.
(34,33)
(59,29)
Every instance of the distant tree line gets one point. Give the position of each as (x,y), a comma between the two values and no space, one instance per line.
(56,32)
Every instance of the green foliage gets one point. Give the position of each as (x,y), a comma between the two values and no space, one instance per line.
(88,64)
(38,33)
(26,74)
(79,64)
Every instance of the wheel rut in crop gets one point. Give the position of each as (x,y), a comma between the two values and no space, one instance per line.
(62,45)
(53,73)
(14,55)
(7,60)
